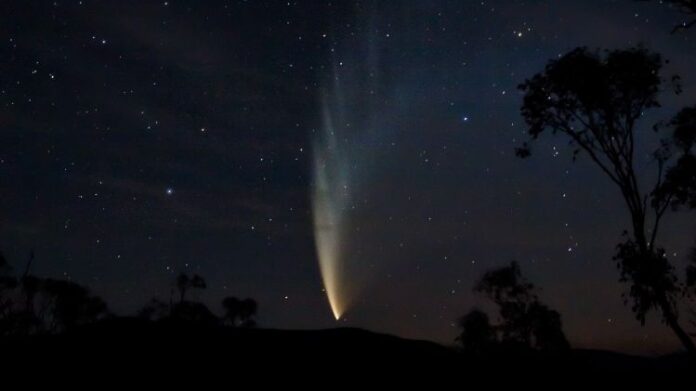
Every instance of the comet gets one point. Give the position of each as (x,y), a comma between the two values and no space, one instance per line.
(344,150)
(330,194)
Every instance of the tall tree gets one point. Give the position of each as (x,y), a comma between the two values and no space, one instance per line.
(596,100)
(681,180)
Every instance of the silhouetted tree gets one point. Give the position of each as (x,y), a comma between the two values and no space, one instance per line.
(478,335)
(681,179)
(31,305)
(67,305)
(547,329)
(184,283)
(525,321)
(239,312)
(513,295)
(596,100)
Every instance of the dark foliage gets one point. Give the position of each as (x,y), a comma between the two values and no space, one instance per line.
(679,186)
(650,279)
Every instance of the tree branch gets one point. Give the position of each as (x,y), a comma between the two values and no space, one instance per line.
(659,212)
(590,152)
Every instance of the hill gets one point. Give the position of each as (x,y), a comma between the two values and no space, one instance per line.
(149,348)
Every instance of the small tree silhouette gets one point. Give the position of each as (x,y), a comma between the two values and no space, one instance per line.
(184,283)
(595,101)
(190,311)
(547,329)
(477,336)
(239,313)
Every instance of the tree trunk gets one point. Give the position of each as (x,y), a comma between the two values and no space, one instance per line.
(672,322)
(668,312)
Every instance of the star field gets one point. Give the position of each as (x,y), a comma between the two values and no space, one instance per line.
(142,139)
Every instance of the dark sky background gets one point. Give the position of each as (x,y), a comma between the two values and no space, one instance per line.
(140,139)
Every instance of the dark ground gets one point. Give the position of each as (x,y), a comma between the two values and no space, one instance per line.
(166,350)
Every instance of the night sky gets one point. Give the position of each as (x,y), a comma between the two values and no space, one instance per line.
(141,139)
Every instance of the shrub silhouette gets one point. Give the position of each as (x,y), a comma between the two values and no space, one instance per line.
(239,313)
